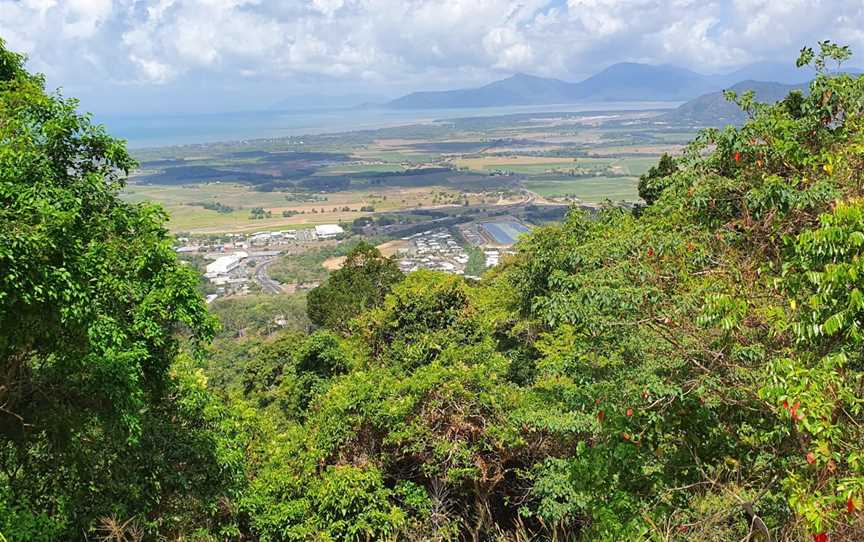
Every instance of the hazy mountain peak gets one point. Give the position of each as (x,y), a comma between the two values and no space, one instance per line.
(623,81)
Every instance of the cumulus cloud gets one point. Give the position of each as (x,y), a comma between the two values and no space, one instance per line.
(405,43)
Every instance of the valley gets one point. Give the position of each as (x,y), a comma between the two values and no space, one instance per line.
(425,194)
(547,158)
(524,311)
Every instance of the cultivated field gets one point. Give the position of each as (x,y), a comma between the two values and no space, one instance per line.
(587,189)
(184,205)
(335,178)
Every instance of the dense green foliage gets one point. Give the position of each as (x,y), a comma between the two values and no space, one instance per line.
(690,371)
(362,282)
(651,184)
(94,422)
(305,267)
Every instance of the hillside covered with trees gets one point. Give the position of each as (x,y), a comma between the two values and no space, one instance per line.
(690,370)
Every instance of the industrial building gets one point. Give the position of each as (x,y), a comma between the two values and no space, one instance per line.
(328,231)
(218,270)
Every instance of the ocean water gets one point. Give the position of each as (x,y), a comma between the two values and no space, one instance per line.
(142,131)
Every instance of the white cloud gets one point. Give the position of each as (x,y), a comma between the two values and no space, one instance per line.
(405,43)
(508,49)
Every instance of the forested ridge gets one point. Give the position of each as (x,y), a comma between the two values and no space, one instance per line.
(689,370)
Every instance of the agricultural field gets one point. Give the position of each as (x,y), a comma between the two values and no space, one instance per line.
(332,178)
(587,189)
(187,214)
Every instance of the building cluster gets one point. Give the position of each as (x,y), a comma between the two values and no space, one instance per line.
(267,238)
(438,250)
(238,241)
(320,232)
(473,236)
(221,271)
(433,249)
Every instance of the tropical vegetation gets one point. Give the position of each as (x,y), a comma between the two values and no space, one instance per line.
(691,370)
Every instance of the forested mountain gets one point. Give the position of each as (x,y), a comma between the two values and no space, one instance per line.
(714,109)
(690,370)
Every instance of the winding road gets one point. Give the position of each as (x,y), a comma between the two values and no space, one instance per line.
(268,285)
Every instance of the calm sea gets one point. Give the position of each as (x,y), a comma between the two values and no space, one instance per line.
(163,130)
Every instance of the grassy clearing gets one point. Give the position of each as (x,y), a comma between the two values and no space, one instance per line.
(589,190)
(639,166)
(647,150)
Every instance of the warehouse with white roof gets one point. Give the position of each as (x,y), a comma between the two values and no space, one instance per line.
(221,266)
(328,231)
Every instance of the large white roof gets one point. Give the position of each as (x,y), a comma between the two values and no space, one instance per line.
(223,264)
(329,229)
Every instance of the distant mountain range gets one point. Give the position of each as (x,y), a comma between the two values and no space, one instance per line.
(713,109)
(619,82)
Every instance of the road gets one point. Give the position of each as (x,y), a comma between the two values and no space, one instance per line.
(268,285)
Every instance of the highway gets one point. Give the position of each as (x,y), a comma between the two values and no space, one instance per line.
(268,285)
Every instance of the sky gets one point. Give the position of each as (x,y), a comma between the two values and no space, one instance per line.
(181,56)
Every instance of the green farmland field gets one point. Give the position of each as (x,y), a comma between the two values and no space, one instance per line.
(589,189)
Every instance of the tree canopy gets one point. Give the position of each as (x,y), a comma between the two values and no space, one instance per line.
(361,283)
(691,370)
(92,305)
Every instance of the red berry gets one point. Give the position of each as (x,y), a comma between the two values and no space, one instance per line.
(811,459)
(850,505)
(629,412)
(650,252)
(737,156)
(820,537)
(625,436)
(785,404)
(600,416)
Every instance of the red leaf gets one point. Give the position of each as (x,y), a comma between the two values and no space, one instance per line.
(650,252)
(820,537)
(794,411)
(850,505)
(785,404)
(737,156)
(600,416)
(625,436)
(810,458)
